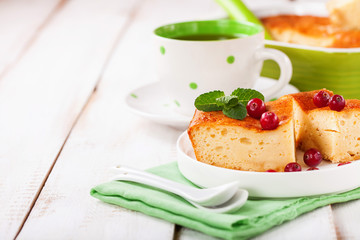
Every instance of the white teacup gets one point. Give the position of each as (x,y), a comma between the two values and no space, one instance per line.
(192,58)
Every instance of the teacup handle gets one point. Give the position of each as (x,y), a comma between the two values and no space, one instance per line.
(284,62)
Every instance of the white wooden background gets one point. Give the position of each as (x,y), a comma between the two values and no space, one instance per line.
(65,68)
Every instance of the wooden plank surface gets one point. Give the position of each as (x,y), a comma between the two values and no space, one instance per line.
(21,21)
(106,135)
(317,224)
(42,96)
(347,219)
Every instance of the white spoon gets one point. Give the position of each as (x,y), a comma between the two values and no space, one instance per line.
(221,199)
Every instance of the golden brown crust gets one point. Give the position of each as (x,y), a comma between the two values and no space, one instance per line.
(282,108)
(316,27)
(305,99)
(308,25)
(218,118)
(351,104)
(241,144)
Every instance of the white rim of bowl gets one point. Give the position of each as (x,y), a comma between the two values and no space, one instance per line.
(304,172)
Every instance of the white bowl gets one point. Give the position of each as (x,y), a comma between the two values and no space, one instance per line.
(329,179)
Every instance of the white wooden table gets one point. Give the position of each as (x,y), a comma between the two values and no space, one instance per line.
(65,68)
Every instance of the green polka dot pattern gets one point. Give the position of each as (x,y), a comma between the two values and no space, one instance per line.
(162,50)
(230,59)
(193,85)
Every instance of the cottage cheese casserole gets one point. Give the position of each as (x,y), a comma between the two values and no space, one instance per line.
(243,144)
(341,29)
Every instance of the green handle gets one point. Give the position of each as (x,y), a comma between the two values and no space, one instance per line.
(237,10)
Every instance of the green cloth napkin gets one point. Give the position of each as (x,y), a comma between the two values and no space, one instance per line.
(254,218)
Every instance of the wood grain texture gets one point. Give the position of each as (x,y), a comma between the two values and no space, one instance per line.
(42,96)
(20,22)
(317,224)
(107,135)
(347,219)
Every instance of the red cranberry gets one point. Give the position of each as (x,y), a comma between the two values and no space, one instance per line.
(312,168)
(292,167)
(312,157)
(321,99)
(255,107)
(269,121)
(344,163)
(337,103)
(271,170)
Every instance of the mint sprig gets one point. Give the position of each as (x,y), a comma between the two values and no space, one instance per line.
(236,112)
(246,94)
(206,102)
(227,101)
(232,106)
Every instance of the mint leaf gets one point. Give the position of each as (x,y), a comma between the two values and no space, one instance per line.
(237,112)
(227,101)
(233,106)
(207,101)
(246,95)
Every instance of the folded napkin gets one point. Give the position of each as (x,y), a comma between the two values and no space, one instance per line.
(254,218)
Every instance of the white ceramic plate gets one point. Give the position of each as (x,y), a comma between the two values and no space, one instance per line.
(330,178)
(151,102)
